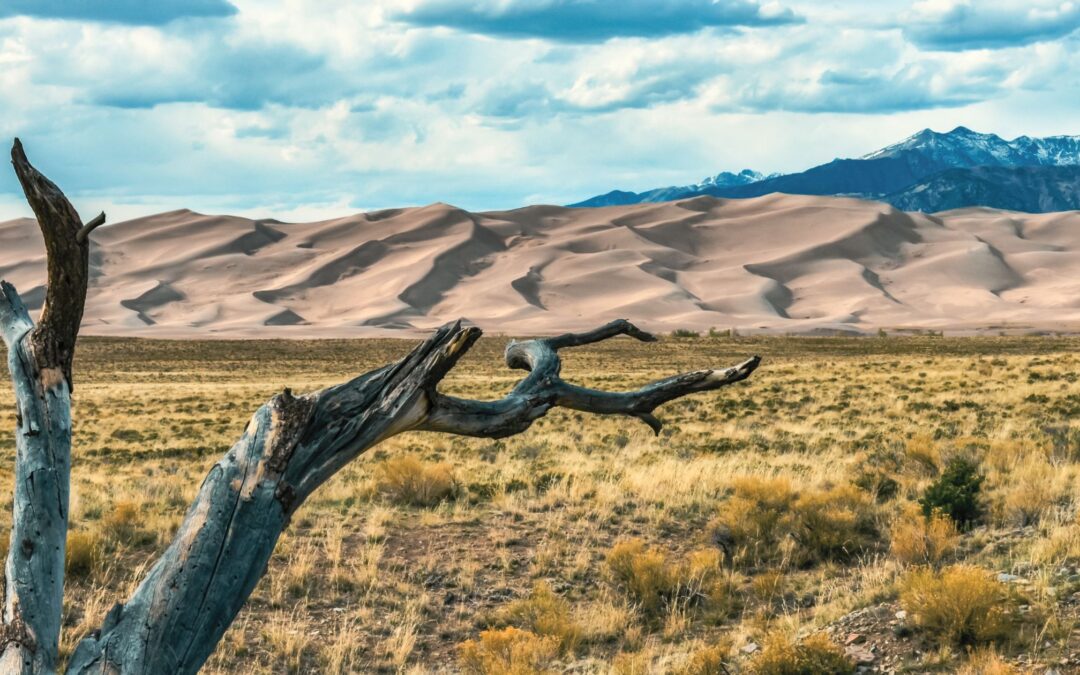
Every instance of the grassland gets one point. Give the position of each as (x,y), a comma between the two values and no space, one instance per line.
(774,525)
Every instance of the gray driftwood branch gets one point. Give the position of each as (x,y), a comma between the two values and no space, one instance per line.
(292,445)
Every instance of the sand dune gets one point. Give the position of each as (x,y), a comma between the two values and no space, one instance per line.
(777,263)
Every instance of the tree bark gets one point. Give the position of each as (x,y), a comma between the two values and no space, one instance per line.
(39,359)
(292,445)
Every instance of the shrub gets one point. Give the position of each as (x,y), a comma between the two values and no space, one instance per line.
(1029,491)
(763,515)
(685,333)
(409,480)
(654,582)
(962,604)
(752,522)
(917,539)
(816,655)
(956,492)
(835,524)
(82,554)
(544,613)
(509,651)
(122,525)
(708,661)
(769,585)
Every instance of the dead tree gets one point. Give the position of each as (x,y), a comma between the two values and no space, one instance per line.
(291,446)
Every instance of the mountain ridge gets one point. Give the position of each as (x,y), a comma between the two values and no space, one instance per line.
(897,169)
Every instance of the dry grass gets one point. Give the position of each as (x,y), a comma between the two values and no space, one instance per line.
(82,555)
(917,539)
(784,655)
(767,521)
(989,662)
(410,481)
(547,614)
(660,586)
(774,507)
(509,651)
(963,604)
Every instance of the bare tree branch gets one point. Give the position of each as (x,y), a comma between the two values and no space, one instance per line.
(86,229)
(68,267)
(544,389)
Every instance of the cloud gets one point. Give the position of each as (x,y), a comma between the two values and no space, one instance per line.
(276,108)
(133,12)
(592,21)
(241,77)
(957,25)
(909,88)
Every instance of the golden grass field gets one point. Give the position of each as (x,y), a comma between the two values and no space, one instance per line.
(771,524)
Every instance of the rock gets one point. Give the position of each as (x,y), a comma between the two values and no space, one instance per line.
(749,648)
(1006,578)
(901,615)
(854,639)
(860,655)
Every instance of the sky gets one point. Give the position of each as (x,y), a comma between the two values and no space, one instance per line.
(306,109)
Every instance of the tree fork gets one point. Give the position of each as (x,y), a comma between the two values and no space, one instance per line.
(292,445)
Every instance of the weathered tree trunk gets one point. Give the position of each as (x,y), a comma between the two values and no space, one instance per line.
(292,445)
(39,359)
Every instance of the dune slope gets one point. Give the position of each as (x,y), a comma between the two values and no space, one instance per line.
(778,263)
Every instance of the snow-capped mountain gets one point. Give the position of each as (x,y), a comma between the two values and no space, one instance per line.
(728,179)
(963,147)
(900,169)
(724,179)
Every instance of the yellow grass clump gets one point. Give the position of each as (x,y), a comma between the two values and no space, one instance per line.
(711,660)
(509,651)
(781,654)
(410,481)
(962,604)
(82,554)
(544,613)
(918,540)
(655,582)
(988,662)
(767,521)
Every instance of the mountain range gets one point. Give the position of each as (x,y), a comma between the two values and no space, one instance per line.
(776,263)
(928,172)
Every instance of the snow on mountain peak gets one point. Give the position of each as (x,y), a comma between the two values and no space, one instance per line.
(967,148)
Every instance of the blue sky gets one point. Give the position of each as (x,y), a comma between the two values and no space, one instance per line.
(300,109)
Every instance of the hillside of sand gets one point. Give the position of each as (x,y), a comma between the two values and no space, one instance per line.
(778,263)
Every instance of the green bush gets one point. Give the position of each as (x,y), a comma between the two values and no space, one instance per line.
(956,493)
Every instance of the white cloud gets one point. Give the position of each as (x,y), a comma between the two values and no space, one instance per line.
(298,107)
